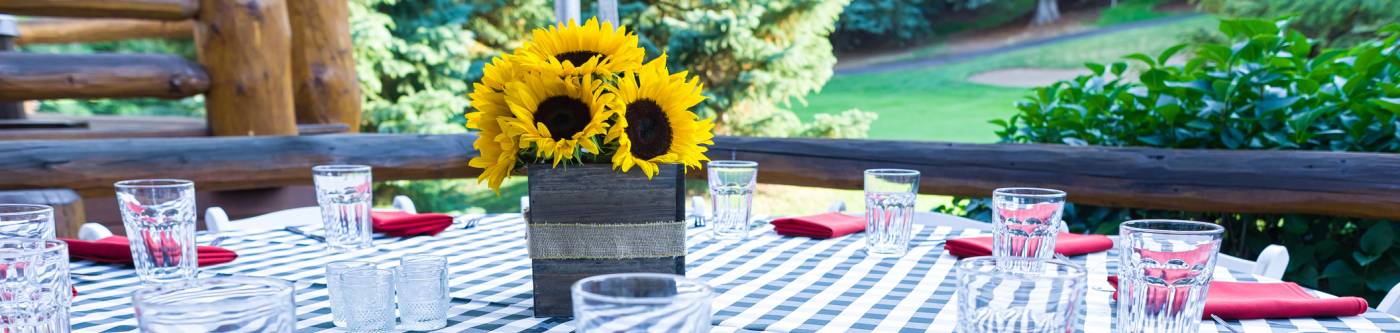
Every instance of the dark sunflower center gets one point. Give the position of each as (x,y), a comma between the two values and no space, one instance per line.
(576,57)
(564,116)
(648,129)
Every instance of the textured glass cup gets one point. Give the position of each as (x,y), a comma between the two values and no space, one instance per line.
(335,269)
(160,222)
(26,221)
(367,299)
(1164,271)
(641,302)
(731,197)
(422,292)
(343,192)
(36,290)
(226,304)
(1025,222)
(889,210)
(993,299)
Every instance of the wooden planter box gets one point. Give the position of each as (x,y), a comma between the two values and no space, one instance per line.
(593,195)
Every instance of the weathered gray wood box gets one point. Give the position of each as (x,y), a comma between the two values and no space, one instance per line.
(597,197)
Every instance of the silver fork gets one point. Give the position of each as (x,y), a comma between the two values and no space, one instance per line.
(1221,322)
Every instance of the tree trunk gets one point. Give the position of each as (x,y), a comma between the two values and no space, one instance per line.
(1046,11)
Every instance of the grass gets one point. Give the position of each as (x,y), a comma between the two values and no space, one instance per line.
(1129,11)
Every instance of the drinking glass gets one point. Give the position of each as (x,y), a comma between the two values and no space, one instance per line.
(731,196)
(641,302)
(367,299)
(160,222)
(335,269)
(1164,270)
(26,221)
(889,210)
(224,304)
(343,192)
(422,292)
(1025,222)
(37,292)
(994,299)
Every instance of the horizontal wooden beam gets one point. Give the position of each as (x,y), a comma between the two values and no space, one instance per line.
(138,9)
(28,76)
(62,31)
(228,163)
(1329,183)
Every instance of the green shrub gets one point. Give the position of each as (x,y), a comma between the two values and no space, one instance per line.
(1334,22)
(867,23)
(1266,90)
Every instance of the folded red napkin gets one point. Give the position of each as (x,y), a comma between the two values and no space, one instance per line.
(401,224)
(117,250)
(1065,243)
(1270,300)
(828,225)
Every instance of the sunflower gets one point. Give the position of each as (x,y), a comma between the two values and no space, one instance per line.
(557,116)
(654,124)
(497,150)
(591,48)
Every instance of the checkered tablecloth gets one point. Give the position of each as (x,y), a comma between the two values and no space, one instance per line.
(766,284)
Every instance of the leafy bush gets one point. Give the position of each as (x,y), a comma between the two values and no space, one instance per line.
(898,22)
(1264,91)
(1337,23)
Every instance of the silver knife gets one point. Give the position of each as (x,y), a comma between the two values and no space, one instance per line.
(297,230)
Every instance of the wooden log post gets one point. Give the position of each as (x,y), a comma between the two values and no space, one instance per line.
(8,34)
(143,9)
(244,45)
(29,76)
(57,31)
(323,63)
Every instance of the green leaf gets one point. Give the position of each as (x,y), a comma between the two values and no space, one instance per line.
(1118,68)
(1378,238)
(1143,58)
(1167,54)
(1364,259)
(1271,104)
(1391,104)
(1097,69)
(1337,269)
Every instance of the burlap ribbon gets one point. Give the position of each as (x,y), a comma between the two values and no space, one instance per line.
(606,241)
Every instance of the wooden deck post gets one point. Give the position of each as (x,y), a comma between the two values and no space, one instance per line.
(323,63)
(244,46)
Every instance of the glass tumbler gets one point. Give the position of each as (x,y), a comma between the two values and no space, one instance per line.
(889,210)
(641,302)
(224,304)
(37,292)
(334,269)
(422,292)
(343,192)
(367,299)
(731,197)
(994,299)
(26,221)
(159,216)
(1025,222)
(1164,272)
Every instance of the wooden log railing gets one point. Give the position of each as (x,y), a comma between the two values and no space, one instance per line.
(142,9)
(42,76)
(58,31)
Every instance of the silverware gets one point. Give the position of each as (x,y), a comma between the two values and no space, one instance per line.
(467,222)
(218,240)
(297,230)
(1221,322)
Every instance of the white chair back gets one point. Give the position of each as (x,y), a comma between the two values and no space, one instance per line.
(1273,261)
(93,231)
(1391,303)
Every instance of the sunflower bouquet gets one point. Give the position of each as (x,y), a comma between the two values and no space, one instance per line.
(582,94)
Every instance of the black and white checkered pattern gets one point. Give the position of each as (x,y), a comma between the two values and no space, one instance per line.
(768,283)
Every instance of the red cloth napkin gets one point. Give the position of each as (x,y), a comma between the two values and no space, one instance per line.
(1065,243)
(828,225)
(117,250)
(401,224)
(1270,300)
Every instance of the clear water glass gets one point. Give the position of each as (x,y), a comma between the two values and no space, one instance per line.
(335,269)
(1164,272)
(367,299)
(343,192)
(422,292)
(1025,222)
(159,216)
(26,221)
(994,299)
(641,302)
(889,210)
(731,197)
(223,304)
(37,292)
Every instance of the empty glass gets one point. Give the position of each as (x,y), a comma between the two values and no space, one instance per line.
(26,221)
(335,269)
(37,293)
(731,196)
(422,292)
(160,222)
(225,304)
(343,192)
(641,302)
(1164,271)
(1025,222)
(889,210)
(994,299)
(367,298)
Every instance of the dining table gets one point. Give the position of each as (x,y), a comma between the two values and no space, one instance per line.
(766,283)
